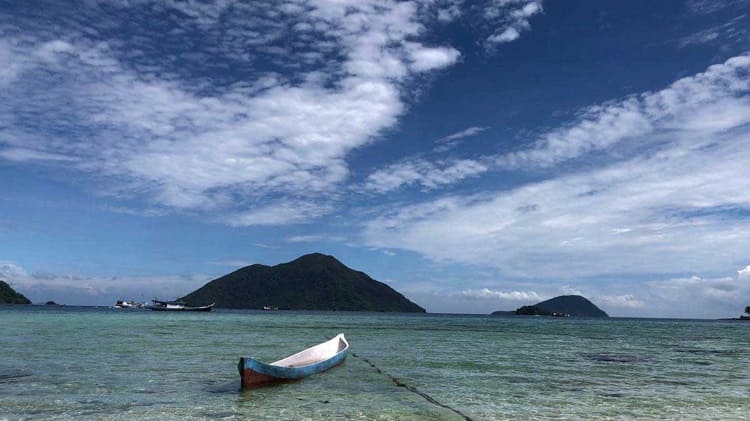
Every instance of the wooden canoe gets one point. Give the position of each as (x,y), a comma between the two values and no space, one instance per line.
(312,360)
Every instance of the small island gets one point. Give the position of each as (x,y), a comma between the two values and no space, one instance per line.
(312,282)
(562,306)
(9,296)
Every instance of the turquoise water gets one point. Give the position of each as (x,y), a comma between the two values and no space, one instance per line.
(105,363)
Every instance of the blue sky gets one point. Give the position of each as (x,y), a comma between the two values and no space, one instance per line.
(474,155)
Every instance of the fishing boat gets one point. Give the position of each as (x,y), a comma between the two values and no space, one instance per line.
(270,308)
(312,360)
(158,305)
(128,304)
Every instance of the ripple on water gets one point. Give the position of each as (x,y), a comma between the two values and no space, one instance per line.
(11,375)
(615,358)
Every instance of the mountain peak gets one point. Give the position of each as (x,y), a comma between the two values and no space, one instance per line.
(316,258)
(574,305)
(314,281)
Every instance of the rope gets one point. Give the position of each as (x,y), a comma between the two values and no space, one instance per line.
(413,389)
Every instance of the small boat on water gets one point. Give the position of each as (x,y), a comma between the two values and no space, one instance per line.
(128,304)
(270,308)
(158,305)
(312,360)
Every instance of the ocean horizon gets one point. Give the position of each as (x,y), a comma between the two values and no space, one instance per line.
(367,312)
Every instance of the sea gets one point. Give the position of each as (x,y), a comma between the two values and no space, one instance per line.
(103,363)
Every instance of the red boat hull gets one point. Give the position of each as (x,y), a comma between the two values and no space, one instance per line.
(251,378)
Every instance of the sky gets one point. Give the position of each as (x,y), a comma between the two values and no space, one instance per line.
(475,156)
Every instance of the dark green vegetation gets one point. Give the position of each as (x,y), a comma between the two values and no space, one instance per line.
(574,305)
(533,311)
(9,296)
(311,282)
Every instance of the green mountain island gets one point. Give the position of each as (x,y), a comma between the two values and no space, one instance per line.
(311,282)
(9,296)
(564,305)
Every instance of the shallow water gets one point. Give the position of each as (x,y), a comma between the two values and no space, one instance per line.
(69,362)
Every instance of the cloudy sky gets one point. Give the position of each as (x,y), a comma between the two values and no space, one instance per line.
(474,155)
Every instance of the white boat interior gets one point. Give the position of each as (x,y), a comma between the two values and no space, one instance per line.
(315,354)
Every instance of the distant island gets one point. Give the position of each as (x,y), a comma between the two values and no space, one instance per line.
(9,296)
(311,282)
(564,305)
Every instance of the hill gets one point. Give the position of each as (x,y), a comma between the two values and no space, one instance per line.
(311,282)
(574,305)
(9,296)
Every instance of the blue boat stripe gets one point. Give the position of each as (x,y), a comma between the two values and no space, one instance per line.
(294,372)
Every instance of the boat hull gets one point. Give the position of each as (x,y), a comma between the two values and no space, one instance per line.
(254,373)
(160,308)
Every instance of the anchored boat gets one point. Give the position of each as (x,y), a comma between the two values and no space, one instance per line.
(176,306)
(312,360)
(128,304)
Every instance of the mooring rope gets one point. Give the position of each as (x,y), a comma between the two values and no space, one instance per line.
(413,389)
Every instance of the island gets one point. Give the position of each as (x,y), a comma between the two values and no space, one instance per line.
(312,282)
(562,306)
(9,296)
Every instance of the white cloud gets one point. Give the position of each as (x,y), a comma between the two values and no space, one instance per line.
(147,212)
(449,10)
(564,226)
(471,131)
(232,263)
(686,113)
(703,296)
(424,59)
(569,290)
(26,155)
(314,238)
(428,175)
(98,290)
(11,272)
(285,212)
(709,102)
(508,35)
(696,107)
(197,146)
(305,238)
(10,65)
(513,18)
(486,293)
(448,142)
(620,301)
(672,202)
